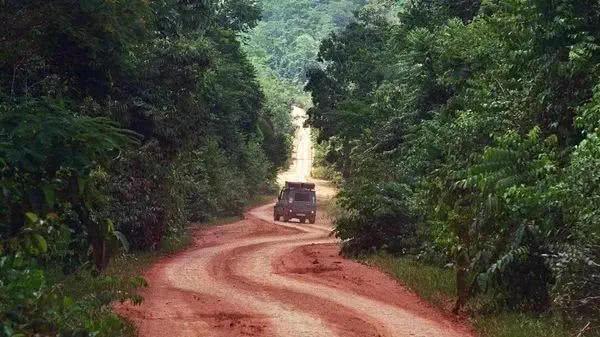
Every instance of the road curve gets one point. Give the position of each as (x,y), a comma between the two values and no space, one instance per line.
(258,277)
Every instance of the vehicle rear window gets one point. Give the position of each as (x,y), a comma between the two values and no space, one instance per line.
(302,196)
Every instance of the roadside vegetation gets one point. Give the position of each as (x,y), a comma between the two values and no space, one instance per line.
(465,134)
(437,285)
(120,123)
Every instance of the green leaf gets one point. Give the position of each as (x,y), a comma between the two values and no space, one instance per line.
(41,243)
(110,226)
(31,218)
(68,302)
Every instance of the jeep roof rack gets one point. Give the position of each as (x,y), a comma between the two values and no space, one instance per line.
(299,185)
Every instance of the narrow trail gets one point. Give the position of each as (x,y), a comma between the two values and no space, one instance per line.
(258,277)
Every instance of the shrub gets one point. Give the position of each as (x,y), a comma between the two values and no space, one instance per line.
(376,218)
(33,304)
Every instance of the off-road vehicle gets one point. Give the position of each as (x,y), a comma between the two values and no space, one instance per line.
(296,200)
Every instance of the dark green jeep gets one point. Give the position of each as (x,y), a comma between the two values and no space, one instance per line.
(296,201)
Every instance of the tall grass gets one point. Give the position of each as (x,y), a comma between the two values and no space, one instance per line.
(434,284)
(437,285)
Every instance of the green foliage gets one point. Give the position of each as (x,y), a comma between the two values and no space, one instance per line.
(81,305)
(120,122)
(65,47)
(287,38)
(283,46)
(575,262)
(432,283)
(322,169)
(50,162)
(521,325)
(471,125)
(438,285)
(214,186)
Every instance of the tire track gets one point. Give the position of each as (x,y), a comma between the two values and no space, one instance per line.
(192,272)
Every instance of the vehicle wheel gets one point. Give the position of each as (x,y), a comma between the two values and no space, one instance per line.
(286,219)
(302,220)
(312,219)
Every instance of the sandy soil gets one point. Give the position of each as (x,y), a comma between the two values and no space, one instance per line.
(258,277)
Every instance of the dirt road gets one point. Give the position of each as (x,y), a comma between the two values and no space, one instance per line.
(257,277)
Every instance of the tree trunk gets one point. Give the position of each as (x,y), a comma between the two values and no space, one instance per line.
(462,288)
(462,270)
(99,253)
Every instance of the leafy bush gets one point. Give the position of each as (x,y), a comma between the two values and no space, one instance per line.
(32,304)
(212,185)
(376,219)
(50,161)
(140,199)
(576,261)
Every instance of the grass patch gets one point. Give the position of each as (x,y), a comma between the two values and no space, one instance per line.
(520,325)
(434,284)
(437,285)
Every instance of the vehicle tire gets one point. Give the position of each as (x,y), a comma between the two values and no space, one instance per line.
(302,220)
(312,219)
(286,219)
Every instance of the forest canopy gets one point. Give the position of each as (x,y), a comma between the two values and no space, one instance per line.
(285,42)
(287,38)
(466,136)
(120,123)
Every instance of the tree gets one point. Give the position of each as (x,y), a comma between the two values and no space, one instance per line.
(119,122)
(456,127)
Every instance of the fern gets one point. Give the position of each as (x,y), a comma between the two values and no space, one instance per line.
(514,161)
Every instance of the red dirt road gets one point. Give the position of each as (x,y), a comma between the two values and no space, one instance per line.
(257,277)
